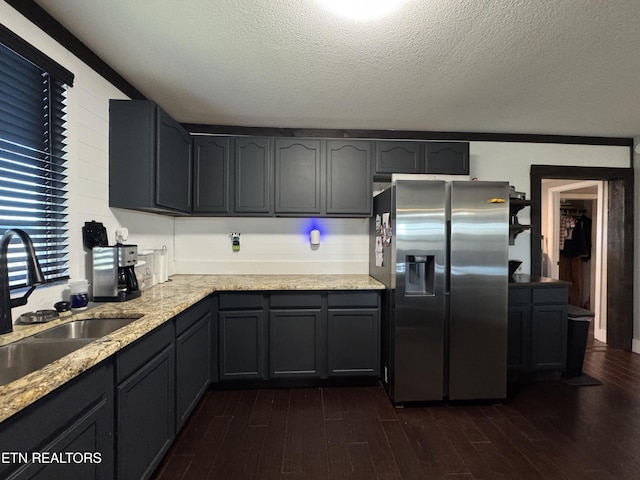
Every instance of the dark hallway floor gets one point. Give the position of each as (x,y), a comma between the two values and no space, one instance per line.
(547,430)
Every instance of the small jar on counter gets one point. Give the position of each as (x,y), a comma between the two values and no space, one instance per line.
(79,294)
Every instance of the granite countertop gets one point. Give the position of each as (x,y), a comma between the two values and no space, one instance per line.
(154,307)
(524,280)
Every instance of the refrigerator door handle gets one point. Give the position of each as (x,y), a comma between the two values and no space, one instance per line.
(447,259)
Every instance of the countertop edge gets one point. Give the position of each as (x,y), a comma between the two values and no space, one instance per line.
(523,280)
(154,307)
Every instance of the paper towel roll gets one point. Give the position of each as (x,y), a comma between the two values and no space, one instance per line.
(163,267)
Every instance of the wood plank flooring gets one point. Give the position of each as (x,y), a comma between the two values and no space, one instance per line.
(546,430)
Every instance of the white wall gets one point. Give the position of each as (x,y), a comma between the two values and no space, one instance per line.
(199,245)
(512,162)
(271,245)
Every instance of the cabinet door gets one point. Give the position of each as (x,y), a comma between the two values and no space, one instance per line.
(519,338)
(295,343)
(448,158)
(253,179)
(349,178)
(146,416)
(297,165)
(77,417)
(242,349)
(354,342)
(399,157)
(173,165)
(211,192)
(548,337)
(193,361)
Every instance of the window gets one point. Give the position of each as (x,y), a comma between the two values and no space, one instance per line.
(33,187)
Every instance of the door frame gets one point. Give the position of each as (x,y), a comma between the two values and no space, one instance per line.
(620,262)
(599,255)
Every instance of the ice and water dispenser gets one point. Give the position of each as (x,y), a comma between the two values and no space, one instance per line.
(419,275)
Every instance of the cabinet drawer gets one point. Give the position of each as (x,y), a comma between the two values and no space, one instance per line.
(519,296)
(296,300)
(190,317)
(143,350)
(353,299)
(240,301)
(550,295)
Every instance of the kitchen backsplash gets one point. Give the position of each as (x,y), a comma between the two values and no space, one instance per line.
(271,246)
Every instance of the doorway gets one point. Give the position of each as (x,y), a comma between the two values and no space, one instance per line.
(618,279)
(574,243)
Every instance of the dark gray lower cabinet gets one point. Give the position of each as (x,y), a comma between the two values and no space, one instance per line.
(537,338)
(518,344)
(353,333)
(299,335)
(78,417)
(354,342)
(242,333)
(122,420)
(193,358)
(145,403)
(549,337)
(294,343)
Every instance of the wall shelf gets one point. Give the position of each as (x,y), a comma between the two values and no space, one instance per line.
(515,228)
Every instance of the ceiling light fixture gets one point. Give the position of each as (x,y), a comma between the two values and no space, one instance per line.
(362,10)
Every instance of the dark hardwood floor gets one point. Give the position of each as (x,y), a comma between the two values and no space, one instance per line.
(546,430)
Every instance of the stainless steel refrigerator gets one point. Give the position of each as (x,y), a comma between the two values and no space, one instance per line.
(441,249)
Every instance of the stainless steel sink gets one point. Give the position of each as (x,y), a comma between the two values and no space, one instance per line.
(25,356)
(32,353)
(89,328)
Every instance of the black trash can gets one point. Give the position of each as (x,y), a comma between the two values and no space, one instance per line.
(579,321)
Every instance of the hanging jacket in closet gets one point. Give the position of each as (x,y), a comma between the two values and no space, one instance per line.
(579,245)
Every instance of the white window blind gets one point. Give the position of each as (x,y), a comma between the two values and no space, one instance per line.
(33,181)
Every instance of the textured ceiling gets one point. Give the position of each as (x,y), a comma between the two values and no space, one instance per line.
(567,67)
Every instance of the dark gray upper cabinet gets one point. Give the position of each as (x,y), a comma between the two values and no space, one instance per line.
(212,175)
(173,168)
(399,157)
(150,159)
(298,170)
(253,177)
(349,178)
(447,158)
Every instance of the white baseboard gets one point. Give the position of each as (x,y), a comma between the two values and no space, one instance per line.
(635,346)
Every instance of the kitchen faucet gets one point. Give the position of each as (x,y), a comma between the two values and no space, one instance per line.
(34,277)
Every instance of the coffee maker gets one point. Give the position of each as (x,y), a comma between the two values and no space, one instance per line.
(114,277)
